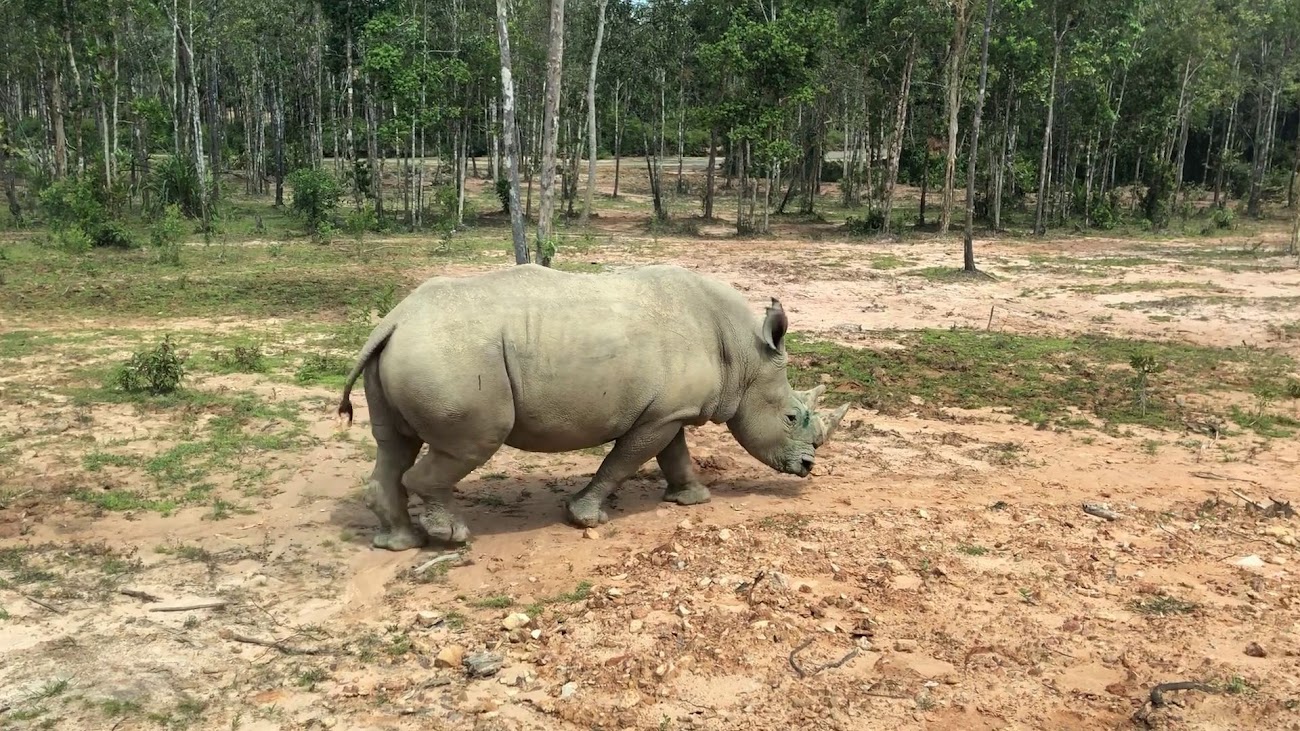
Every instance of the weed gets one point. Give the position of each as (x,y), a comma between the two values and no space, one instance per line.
(318,367)
(454,620)
(792,524)
(1236,685)
(1162,605)
(925,702)
(398,645)
(1151,446)
(498,601)
(310,677)
(157,371)
(4,614)
(889,261)
(246,358)
(222,509)
(972,550)
(1144,364)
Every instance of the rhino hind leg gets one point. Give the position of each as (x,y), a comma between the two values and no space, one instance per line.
(432,478)
(384,493)
(675,464)
(586,509)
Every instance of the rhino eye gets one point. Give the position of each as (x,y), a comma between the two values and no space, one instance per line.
(790,418)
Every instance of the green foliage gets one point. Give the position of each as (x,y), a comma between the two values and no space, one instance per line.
(75,204)
(175,182)
(873,223)
(157,371)
(319,367)
(315,195)
(245,358)
(1221,218)
(165,236)
(503,193)
(1157,202)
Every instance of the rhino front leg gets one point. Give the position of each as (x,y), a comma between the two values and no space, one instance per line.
(586,509)
(675,463)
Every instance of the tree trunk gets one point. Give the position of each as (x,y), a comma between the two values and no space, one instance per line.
(968,241)
(1254,205)
(550,132)
(953,102)
(618,130)
(57,110)
(7,179)
(372,153)
(900,123)
(494,140)
(278,120)
(1043,169)
(509,135)
(591,115)
(349,145)
(681,133)
(708,182)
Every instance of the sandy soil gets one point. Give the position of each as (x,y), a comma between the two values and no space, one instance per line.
(937,572)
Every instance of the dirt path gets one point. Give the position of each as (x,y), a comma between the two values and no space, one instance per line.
(943,555)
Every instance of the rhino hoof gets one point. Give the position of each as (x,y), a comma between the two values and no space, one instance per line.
(399,540)
(445,527)
(688,495)
(583,515)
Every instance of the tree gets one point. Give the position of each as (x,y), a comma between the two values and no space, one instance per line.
(968,248)
(510,135)
(550,132)
(591,114)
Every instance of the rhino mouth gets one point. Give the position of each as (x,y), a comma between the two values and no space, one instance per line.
(800,466)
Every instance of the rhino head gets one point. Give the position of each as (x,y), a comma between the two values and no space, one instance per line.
(777,425)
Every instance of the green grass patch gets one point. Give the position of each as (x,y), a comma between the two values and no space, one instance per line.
(1162,606)
(1145,285)
(889,261)
(947,274)
(323,369)
(1039,379)
(499,601)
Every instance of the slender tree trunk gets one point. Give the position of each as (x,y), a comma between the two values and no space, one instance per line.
(900,124)
(58,107)
(681,133)
(550,132)
(372,152)
(1254,204)
(349,145)
(968,245)
(509,135)
(1043,168)
(618,131)
(953,102)
(708,183)
(591,115)
(8,180)
(278,120)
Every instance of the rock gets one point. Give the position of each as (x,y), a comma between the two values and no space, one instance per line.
(591,533)
(724,535)
(535,634)
(614,591)
(568,689)
(905,582)
(636,626)
(1277,560)
(1249,562)
(923,514)
(863,643)
(1254,650)
(450,657)
(516,620)
(1287,540)
(483,664)
(686,524)
(779,580)
(895,566)
(905,645)
(426,618)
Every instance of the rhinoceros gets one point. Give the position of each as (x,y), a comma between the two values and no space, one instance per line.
(550,361)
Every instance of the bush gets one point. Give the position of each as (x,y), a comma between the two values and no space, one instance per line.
(157,371)
(503,193)
(315,195)
(175,182)
(242,359)
(832,171)
(1157,203)
(872,224)
(165,236)
(1103,214)
(1221,218)
(318,366)
(74,203)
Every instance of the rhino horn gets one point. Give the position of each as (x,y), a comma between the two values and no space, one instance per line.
(831,420)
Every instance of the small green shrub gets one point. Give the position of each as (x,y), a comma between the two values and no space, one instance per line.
(315,195)
(1221,218)
(872,224)
(76,203)
(319,366)
(175,182)
(156,371)
(165,236)
(73,240)
(503,193)
(832,171)
(242,359)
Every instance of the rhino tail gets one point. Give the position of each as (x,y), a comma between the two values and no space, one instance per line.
(376,343)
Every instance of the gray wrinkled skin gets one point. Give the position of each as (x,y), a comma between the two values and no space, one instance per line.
(549,361)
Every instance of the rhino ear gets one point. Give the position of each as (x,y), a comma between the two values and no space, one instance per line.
(774,326)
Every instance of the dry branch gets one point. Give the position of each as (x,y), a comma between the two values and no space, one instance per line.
(143,596)
(1157,693)
(458,557)
(40,603)
(212,604)
(1101,511)
(227,634)
(794,662)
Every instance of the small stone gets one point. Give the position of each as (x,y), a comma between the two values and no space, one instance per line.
(863,643)
(724,534)
(535,634)
(682,611)
(257,580)
(450,657)
(568,689)
(483,664)
(1277,560)
(1287,540)
(704,583)
(805,589)
(759,624)
(614,591)
(779,580)
(516,620)
(1249,562)
(620,577)
(923,513)
(1254,650)
(686,524)
(591,533)
(636,626)
(905,645)
(426,618)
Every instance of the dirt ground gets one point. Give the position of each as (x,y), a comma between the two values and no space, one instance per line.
(937,571)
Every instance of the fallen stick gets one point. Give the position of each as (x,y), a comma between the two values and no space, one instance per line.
(143,596)
(40,603)
(215,604)
(749,595)
(1157,693)
(794,663)
(227,634)
(1186,542)
(1251,500)
(434,562)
